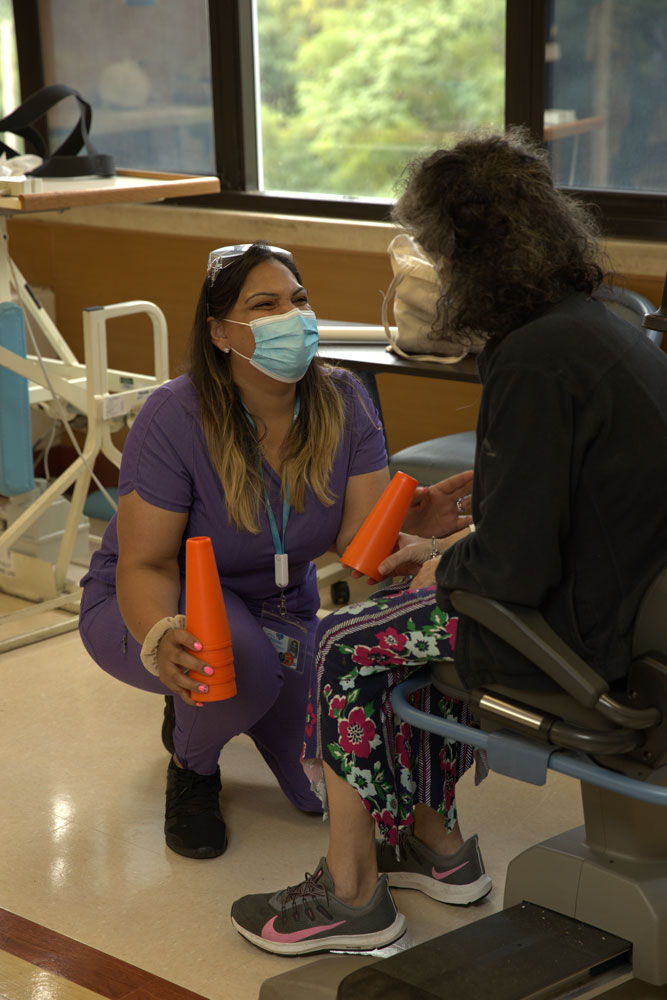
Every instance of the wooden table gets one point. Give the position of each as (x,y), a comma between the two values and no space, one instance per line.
(125,186)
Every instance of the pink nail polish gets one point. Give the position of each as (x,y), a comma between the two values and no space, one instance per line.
(197,645)
(199,704)
(209,671)
(203,688)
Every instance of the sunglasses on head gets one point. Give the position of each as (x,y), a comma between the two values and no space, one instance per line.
(223,257)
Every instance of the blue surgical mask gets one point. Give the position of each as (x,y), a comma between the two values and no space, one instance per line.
(285,345)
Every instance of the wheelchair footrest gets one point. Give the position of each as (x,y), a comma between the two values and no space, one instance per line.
(523,952)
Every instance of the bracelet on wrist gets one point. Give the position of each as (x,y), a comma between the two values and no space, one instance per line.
(435,551)
(148,652)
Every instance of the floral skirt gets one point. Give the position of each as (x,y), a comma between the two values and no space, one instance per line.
(364,651)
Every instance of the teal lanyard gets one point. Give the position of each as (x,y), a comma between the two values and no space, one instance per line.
(280,559)
(278,541)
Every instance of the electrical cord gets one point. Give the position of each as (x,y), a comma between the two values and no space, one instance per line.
(49,437)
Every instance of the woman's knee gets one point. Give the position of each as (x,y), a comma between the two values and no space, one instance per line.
(108,642)
(101,627)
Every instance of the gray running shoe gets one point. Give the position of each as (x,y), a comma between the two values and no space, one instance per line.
(455,878)
(309,917)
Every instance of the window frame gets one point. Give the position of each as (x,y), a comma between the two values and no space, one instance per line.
(620,213)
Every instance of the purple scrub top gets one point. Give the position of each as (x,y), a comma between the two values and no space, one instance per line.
(166,460)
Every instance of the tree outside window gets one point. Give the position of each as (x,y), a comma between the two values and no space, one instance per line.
(351,90)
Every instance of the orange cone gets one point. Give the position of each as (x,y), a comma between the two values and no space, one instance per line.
(206,618)
(377,536)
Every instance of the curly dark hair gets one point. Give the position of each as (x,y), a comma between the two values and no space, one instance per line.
(506,243)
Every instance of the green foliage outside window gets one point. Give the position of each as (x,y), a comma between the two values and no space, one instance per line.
(351,90)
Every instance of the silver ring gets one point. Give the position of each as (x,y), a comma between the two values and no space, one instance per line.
(459,506)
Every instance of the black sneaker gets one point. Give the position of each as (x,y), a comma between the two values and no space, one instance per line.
(193,822)
(455,878)
(309,917)
(168,723)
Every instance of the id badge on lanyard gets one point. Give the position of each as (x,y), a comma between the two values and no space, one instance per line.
(281,568)
(288,636)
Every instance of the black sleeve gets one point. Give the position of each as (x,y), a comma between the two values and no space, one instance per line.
(521,492)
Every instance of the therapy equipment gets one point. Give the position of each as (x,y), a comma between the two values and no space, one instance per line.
(105,397)
(610,874)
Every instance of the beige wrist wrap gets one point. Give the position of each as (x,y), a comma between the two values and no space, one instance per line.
(152,641)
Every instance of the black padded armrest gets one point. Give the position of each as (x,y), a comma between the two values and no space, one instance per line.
(527,631)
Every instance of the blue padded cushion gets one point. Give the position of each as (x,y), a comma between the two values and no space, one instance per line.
(16,463)
(98,506)
(431,461)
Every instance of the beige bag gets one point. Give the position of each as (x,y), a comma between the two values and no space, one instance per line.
(416,291)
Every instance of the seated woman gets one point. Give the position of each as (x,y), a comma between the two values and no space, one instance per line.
(569,514)
(277,457)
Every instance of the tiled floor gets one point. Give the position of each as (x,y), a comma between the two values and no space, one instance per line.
(82,849)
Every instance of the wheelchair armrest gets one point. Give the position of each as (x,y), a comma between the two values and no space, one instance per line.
(526,630)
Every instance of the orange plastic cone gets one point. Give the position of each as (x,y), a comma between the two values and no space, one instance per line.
(377,536)
(206,618)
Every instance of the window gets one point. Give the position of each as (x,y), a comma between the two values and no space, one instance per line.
(346,92)
(605,112)
(349,92)
(315,106)
(145,67)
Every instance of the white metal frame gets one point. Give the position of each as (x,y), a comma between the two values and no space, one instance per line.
(104,396)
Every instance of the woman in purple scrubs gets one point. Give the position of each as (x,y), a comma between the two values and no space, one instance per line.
(277,457)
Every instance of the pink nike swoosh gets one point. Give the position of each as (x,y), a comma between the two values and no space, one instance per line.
(441,875)
(269,933)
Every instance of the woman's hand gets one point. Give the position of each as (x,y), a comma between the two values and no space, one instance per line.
(414,556)
(174,661)
(441,509)
(409,558)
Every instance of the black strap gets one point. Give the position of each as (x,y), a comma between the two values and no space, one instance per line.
(27,133)
(64,162)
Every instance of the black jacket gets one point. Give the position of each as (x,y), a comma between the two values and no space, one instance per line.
(570,489)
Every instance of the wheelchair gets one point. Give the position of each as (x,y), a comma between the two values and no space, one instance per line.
(610,873)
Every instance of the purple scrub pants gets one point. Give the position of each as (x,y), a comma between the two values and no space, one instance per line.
(270,704)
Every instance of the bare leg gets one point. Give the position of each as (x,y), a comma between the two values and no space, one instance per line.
(351,856)
(430,829)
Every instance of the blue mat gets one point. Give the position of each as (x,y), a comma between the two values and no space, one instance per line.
(98,506)
(16,463)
